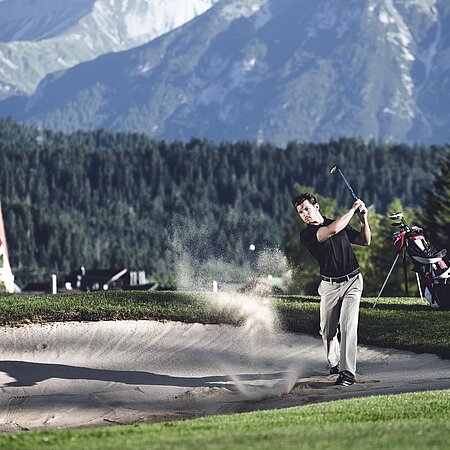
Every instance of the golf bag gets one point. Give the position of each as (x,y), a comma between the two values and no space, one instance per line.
(430,263)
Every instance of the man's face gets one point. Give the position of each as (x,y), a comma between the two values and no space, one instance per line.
(308,212)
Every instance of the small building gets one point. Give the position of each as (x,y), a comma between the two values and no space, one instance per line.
(107,279)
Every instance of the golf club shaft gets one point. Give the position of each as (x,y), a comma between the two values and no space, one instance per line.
(347,183)
(334,168)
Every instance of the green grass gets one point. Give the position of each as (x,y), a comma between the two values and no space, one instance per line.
(110,305)
(405,421)
(403,323)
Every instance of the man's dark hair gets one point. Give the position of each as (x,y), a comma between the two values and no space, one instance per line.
(302,197)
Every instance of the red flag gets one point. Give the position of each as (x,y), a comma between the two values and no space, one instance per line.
(2,234)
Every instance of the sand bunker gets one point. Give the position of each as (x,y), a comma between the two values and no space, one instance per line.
(67,375)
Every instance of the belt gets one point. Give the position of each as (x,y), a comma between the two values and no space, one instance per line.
(341,279)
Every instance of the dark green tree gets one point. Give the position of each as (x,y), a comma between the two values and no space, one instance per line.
(436,205)
(103,199)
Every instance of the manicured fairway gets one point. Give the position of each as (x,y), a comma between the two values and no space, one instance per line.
(405,421)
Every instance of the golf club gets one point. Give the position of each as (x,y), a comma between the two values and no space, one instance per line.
(397,216)
(336,168)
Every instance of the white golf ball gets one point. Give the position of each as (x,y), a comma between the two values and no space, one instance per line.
(251,247)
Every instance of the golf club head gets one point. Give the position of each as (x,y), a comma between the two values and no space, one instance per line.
(398,224)
(334,168)
(396,216)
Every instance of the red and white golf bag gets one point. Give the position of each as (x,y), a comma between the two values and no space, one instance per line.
(431,264)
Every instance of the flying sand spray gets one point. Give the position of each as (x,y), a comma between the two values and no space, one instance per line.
(255,309)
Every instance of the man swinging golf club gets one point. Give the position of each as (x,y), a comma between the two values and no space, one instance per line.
(329,241)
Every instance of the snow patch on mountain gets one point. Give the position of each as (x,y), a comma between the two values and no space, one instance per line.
(242,8)
(150,20)
(397,31)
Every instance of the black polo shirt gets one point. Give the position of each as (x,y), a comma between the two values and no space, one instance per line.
(335,255)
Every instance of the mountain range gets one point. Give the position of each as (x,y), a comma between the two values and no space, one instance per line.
(45,36)
(265,70)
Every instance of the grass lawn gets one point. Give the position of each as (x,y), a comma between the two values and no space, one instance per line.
(405,421)
(402,323)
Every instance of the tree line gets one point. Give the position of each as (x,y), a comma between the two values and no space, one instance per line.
(107,199)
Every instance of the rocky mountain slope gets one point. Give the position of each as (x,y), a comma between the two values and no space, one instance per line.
(41,37)
(273,70)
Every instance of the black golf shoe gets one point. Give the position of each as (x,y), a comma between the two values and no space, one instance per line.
(345,378)
(333,370)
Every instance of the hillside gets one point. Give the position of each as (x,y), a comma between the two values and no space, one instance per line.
(104,199)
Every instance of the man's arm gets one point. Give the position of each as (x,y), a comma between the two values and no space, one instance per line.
(365,235)
(324,233)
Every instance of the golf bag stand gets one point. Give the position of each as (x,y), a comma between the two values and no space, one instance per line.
(432,266)
(389,274)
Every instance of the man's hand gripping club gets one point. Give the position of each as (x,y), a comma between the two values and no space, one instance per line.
(324,233)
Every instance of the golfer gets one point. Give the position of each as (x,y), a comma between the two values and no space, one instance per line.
(329,241)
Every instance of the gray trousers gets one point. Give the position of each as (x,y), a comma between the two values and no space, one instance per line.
(339,305)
